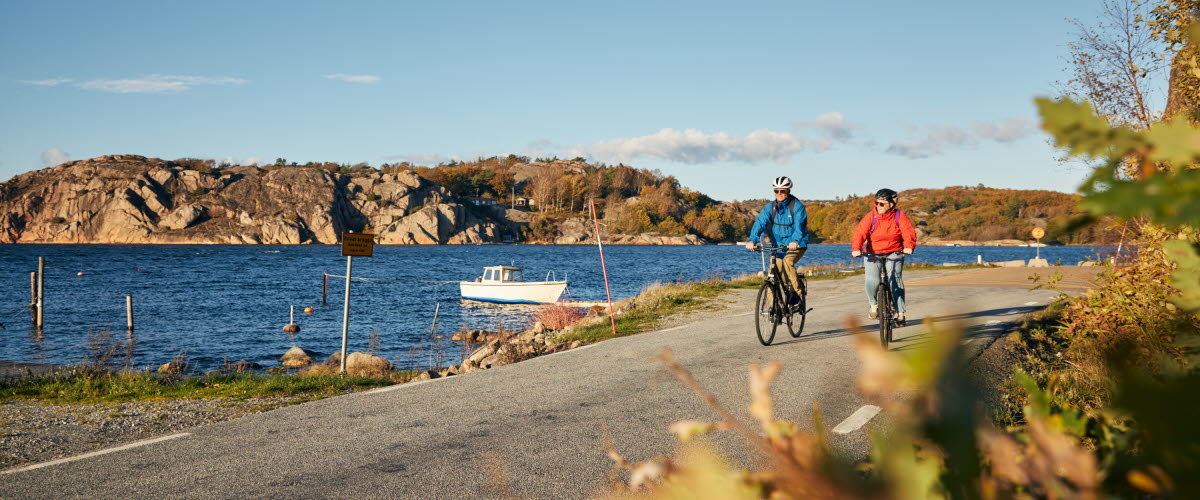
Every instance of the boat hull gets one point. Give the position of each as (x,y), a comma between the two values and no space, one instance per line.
(545,292)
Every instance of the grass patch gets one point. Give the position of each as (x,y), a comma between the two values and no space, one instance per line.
(88,387)
(657,301)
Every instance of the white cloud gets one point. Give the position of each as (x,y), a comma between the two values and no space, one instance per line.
(420,158)
(1008,130)
(353,78)
(157,84)
(54,156)
(934,143)
(49,82)
(693,146)
(833,124)
(230,160)
(547,149)
(940,139)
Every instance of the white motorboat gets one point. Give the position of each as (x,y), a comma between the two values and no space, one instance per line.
(503,284)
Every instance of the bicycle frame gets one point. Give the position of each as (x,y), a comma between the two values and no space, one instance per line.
(779,310)
(885,301)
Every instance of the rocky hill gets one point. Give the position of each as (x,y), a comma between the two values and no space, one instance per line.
(133,199)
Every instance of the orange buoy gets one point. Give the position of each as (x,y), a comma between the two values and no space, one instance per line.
(308,310)
(80,273)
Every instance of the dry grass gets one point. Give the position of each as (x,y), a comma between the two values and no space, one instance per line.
(557,316)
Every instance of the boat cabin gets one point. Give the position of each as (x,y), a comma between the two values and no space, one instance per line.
(501,273)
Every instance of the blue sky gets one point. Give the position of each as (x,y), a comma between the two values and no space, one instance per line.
(845,98)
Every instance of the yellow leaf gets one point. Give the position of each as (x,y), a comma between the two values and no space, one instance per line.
(688,429)
(1144,482)
(760,391)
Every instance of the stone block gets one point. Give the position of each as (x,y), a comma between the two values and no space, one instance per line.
(1010,263)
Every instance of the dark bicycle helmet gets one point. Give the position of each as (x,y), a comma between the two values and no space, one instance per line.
(886,194)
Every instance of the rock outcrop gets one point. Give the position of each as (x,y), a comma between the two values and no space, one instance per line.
(296,358)
(134,199)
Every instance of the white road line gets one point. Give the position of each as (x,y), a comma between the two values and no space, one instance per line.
(1013,311)
(97,453)
(860,417)
(993,322)
(1031,303)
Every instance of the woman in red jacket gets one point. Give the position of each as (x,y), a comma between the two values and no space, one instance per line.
(884,231)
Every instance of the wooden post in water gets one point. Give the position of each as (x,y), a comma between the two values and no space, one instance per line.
(129,312)
(41,289)
(324,287)
(433,327)
(33,295)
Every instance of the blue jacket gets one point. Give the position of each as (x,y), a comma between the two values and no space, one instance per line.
(788,227)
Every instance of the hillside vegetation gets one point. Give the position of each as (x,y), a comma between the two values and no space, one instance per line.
(978,214)
(633,200)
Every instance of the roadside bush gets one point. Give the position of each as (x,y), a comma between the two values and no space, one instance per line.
(557,316)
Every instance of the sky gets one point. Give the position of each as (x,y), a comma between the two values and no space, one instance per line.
(843,97)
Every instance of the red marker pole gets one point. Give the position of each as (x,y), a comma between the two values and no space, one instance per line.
(611,314)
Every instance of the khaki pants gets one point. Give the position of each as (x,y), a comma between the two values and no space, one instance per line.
(786,267)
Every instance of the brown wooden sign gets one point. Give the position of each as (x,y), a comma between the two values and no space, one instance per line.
(358,244)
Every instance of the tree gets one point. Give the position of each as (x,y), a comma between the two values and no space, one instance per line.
(1112,62)
(1170,24)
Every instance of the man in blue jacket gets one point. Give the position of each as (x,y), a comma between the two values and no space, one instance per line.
(787,222)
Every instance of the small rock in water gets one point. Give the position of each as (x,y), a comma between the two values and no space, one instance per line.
(296,358)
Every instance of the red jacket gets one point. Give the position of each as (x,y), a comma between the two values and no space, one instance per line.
(893,232)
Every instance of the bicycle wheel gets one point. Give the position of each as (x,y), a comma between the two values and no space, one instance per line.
(766,313)
(795,320)
(883,300)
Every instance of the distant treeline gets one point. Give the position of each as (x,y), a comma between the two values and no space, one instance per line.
(633,200)
(973,213)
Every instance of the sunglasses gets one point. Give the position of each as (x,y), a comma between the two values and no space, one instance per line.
(784,191)
(882,203)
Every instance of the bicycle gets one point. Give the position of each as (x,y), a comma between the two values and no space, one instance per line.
(770,306)
(884,300)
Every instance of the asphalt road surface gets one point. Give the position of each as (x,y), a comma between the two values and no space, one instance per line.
(535,429)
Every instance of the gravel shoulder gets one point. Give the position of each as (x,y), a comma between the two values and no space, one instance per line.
(32,432)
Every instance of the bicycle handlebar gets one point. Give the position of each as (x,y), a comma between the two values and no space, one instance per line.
(883,255)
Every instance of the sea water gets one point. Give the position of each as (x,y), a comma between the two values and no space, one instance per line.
(219,303)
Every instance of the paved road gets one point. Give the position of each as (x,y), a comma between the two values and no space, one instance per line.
(535,426)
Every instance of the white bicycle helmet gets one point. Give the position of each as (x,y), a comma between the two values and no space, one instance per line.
(781,182)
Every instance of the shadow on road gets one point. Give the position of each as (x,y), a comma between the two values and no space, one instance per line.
(990,329)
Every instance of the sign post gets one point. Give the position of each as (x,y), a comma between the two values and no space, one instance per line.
(353,245)
(1037,234)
